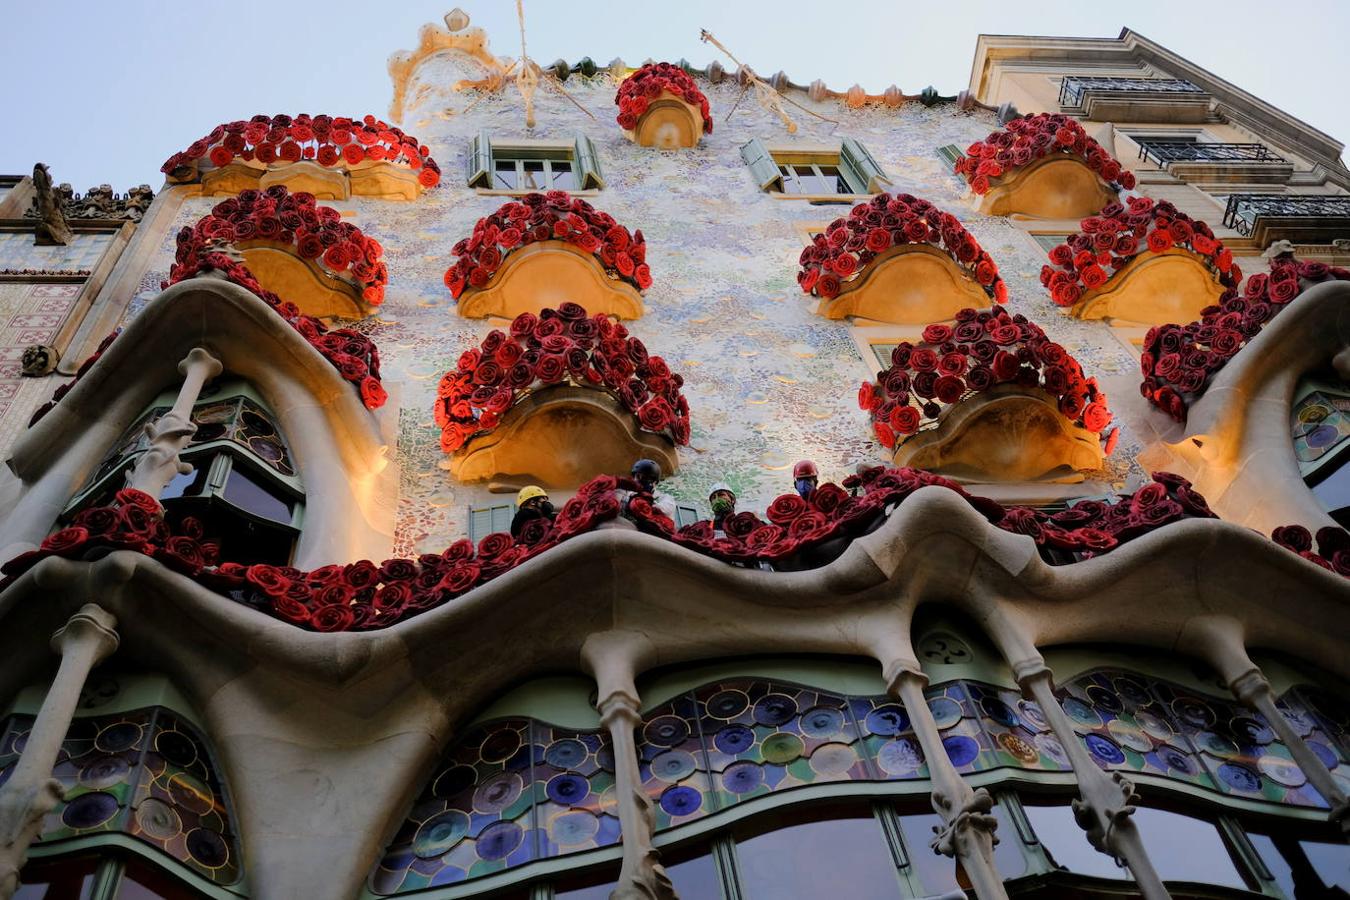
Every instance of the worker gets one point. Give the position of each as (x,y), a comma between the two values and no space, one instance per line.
(647,473)
(804,478)
(531,503)
(722,502)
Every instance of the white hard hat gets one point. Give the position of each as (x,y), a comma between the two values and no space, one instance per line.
(720,486)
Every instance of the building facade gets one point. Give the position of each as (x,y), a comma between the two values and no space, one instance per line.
(1061,616)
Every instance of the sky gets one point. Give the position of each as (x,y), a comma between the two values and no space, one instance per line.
(105,90)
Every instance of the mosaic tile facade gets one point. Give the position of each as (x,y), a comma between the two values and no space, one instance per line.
(768,381)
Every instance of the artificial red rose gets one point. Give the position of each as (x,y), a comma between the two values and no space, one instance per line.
(461,577)
(97,520)
(66,539)
(1005,366)
(1283,291)
(1293,537)
(905,420)
(786,508)
(937,334)
(986,272)
(332,618)
(867,397)
(373,394)
(494,545)
(952,364)
(828,497)
(267,579)
(1096,417)
(1159,241)
(133,497)
(949,388)
(1093,276)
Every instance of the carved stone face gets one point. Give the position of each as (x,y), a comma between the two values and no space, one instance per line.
(38,360)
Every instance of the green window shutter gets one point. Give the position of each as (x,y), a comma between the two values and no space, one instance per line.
(686,515)
(587,164)
(762,166)
(478,161)
(485,520)
(950,155)
(860,170)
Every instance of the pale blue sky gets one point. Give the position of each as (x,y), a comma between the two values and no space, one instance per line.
(105,91)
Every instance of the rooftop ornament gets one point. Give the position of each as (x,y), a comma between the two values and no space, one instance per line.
(1142,261)
(1179,361)
(560,397)
(545,249)
(660,106)
(333,157)
(295,248)
(364,596)
(898,258)
(989,399)
(1043,165)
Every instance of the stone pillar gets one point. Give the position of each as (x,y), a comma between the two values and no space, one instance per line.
(31,791)
(171,432)
(1252,688)
(1105,802)
(611,659)
(967,832)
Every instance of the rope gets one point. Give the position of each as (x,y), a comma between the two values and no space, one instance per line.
(767,97)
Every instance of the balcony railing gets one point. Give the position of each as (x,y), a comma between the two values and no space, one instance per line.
(1313,212)
(1164,152)
(1073,87)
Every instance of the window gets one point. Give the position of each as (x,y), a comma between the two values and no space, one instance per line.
(243,486)
(808,860)
(527,166)
(485,520)
(949,155)
(1301,868)
(84,878)
(849,170)
(1049,240)
(1320,429)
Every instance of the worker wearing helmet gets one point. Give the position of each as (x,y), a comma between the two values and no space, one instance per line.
(722,501)
(647,473)
(531,503)
(804,478)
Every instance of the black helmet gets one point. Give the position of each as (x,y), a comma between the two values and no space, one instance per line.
(647,470)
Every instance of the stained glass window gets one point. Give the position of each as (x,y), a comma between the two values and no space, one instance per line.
(147,774)
(509,792)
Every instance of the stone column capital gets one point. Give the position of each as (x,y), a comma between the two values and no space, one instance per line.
(91,627)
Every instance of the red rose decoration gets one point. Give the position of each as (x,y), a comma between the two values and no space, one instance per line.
(850,245)
(540,217)
(786,508)
(648,83)
(1029,138)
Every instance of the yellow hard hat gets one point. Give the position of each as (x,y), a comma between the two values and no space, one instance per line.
(529,492)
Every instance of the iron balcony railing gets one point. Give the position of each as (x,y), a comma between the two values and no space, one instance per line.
(1164,152)
(1073,87)
(1245,209)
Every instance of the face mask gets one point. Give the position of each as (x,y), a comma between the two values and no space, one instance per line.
(805,486)
(722,506)
(648,484)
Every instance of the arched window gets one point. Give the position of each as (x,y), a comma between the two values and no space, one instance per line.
(244,486)
(145,811)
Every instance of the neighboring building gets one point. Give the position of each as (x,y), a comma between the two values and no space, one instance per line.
(985,674)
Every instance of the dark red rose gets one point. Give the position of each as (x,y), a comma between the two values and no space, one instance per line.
(133,497)
(786,508)
(267,579)
(332,618)
(66,539)
(1293,537)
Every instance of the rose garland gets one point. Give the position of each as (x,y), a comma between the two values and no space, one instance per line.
(1120,232)
(1178,361)
(1333,546)
(363,596)
(543,217)
(647,83)
(984,348)
(323,139)
(851,243)
(316,233)
(1029,138)
(559,346)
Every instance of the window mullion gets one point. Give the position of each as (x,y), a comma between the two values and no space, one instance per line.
(889,820)
(728,869)
(107,879)
(1248,860)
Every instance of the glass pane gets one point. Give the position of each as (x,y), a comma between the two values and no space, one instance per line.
(1330,861)
(696,877)
(1067,844)
(533,178)
(504,175)
(564,179)
(817,859)
(250,495)
(1186,849)
(791,181)
(193,483)
(1304,870)
(63,879)
(937,873)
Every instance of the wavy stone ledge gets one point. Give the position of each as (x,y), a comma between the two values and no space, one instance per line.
(545,275)
(325,739)
(670,123)
(1153,289)
(303,282)
(1058,186)
(911,284)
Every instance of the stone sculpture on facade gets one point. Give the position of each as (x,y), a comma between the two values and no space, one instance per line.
(52,227)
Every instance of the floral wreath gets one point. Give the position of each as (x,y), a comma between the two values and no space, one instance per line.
(1178,361)
(984,348)
(850,244)
(323,139)
(648,83)
(559,346)
(364,596)
(1029,138)
(1111,239)
(555,215)
(315,232)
